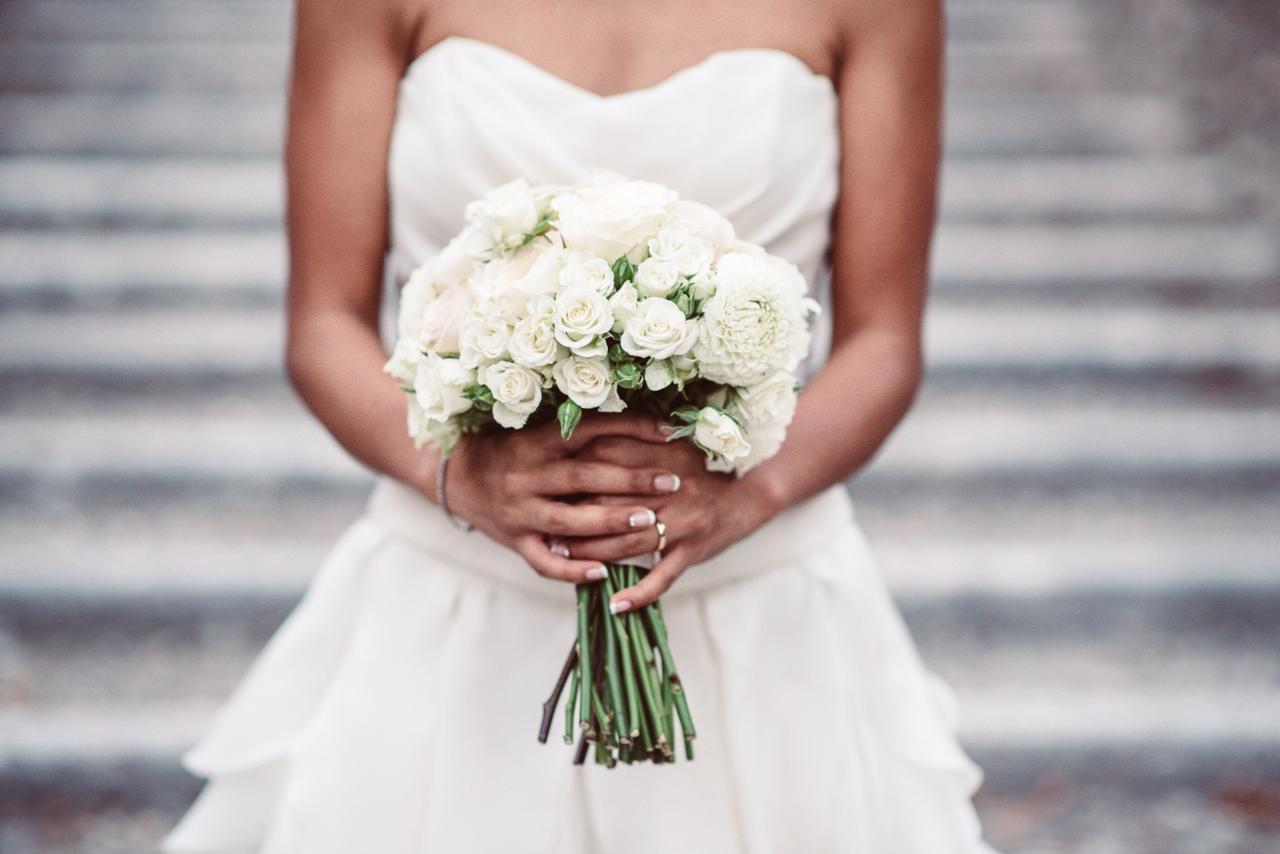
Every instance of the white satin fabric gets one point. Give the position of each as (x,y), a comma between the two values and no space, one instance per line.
(396,708)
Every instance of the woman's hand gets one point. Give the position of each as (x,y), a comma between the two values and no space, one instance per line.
(709,512)
(522,486)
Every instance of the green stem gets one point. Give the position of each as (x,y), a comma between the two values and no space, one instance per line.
(648,683)
(612,665)
(584,654)
(653,614)
(569,708)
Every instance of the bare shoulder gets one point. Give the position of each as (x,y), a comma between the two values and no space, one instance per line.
(342,27)
(860,20)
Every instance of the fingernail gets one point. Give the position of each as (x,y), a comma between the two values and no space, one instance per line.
(619,606)
(596,573)
(560,549)
(666,429)
(645,518)
(666,482)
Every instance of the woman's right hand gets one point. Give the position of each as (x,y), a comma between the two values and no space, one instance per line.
(518,486)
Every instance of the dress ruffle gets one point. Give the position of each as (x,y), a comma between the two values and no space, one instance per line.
(395,711)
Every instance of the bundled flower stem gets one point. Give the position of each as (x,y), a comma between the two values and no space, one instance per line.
(622,680)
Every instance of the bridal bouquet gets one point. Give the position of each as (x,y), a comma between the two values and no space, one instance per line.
(606,295)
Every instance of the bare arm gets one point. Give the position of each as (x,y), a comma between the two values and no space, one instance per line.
(889,83)
(349,56)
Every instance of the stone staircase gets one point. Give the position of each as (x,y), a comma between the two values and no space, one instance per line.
(1079,518)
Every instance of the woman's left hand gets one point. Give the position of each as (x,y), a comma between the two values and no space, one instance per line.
(708,513)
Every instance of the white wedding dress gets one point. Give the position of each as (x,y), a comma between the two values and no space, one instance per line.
(395,711)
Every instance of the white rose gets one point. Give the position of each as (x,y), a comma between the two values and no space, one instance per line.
(717,433)
(686,252)
(772,401)
(623,304)
(533,341)
(442,319)
(658,330)
(755,323)
(582,313)
(656,277)
(403,364)
(484,335)
(582,269)
(610,216)
(517,392)
(705,223)
(505,212)
(438,387)
(585,381)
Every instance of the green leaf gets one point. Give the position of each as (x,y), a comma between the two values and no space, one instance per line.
(478,393)
(407,389)
(628,375)
(623,271)
(568,414)
(687,414)
(542,226)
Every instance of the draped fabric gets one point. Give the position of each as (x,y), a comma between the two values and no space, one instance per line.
(396,708)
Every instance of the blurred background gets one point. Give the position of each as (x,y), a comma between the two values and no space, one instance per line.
(1081,518)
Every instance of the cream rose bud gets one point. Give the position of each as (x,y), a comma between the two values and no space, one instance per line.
(716,432)
(517,392)
(685,252)
(505,212)
(585,381)
(623,304)
(656,277)
(442,319)
(484,336)
(658,330)
(582,313)
(610,216)
(438,386)
(582,269)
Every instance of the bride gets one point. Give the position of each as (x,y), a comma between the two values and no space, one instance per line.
(395,711)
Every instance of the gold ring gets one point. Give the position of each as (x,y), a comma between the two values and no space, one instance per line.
(662,535)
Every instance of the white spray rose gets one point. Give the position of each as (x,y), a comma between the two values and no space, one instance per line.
(585,381)
(533,341)
(717,433)
(484,335)
(582,269)
(658,330)
(442,434)
(610,216)
(623,304)
(755,323)
(506,212)
(687,253)
(582,313)
(656,277)
(767,408)
(438,387)
(517,392)
(659,374)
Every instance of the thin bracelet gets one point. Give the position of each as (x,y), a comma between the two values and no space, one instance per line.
(440,499)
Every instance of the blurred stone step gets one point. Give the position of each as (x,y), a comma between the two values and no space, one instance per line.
(145,20)
(973,443)
(205,358)
(260,65)
(76,192)
(71,267)
(947,544)
(251,124)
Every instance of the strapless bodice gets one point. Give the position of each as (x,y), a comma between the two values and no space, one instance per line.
(751,132)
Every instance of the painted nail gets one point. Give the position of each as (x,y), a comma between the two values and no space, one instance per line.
(559,549)
(619,606)
(645,518)
(667,482)
(596,573)
(666,429)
